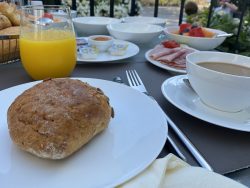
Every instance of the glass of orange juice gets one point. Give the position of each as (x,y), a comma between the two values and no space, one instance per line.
(47,41)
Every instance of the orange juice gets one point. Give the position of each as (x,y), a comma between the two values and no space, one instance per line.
(48,53)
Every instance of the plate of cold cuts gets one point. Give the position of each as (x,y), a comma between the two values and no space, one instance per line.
(170,56)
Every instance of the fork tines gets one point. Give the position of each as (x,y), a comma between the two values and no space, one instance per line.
(133,77)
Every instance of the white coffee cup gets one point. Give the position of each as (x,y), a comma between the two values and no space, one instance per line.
(222,91)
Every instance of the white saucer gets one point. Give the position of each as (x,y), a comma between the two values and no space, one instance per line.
(184,98)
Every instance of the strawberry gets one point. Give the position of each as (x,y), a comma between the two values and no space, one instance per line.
(196,32)
(170,44)
(183,27)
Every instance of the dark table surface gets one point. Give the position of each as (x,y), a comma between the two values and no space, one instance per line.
(226,150)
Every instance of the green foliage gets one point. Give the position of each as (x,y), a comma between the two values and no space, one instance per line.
(173,2)
(199,18)
(223,22)
(121,8)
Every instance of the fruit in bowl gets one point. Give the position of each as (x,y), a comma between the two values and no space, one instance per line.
(187,29)
(196,37)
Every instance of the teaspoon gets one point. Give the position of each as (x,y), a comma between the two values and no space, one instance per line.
(223,35)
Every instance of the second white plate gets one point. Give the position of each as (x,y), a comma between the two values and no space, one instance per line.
(184,98)
(105,57)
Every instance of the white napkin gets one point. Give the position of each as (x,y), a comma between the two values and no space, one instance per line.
(172,172)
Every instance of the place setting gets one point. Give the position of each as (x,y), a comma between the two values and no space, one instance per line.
(110,150)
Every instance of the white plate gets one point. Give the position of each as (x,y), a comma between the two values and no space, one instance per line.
(132,50)
(132,141)
(166,67)
(184,98)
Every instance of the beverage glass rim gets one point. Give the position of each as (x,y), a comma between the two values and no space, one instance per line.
(42,7)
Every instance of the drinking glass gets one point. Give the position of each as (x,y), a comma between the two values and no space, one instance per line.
(47,42)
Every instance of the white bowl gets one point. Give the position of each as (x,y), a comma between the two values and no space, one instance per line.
(146,20)
(101,45)
(135,32)
(222,91)
(86,26)
(73,14)
(199,43)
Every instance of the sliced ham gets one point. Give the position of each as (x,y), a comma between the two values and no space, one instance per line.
(171,57)
(179,62)
(174,65)
(156,48)
(182,59)
(163,52)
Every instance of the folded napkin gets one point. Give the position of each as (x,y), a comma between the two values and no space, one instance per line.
(172,172)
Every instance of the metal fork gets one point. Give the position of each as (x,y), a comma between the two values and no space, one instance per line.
(136,83)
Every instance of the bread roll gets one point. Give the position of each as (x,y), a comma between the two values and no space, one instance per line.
(9,10)
(9,48)
(15,30)
(53,119)
(4,22)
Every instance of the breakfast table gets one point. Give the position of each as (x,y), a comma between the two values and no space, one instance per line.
(226,150)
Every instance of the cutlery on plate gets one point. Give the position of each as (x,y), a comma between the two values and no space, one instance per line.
(171,141)
(136,83)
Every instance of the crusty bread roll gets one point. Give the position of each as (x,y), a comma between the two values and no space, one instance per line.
(4,22)
(9,10)
(14,30)
(55,118)
(9,48)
